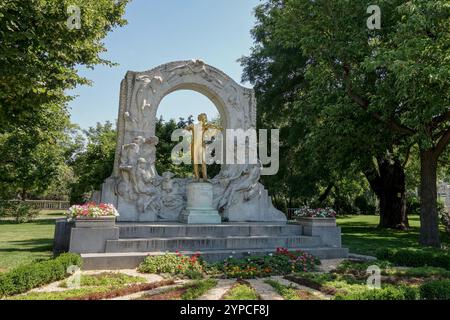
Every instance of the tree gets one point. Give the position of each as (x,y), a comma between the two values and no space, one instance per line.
(31,155)
(324,139)
(39,51)
(398,76)
(94,164)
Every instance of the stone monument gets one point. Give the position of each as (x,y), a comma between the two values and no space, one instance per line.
(138,191)
(229,214)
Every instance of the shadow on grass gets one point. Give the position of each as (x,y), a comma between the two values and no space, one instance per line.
(32,245)
(41,222)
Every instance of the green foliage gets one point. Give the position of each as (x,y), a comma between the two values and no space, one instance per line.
(242,292)
(27,277)
(419,272)
(39,54)
(416,257)
(287,292)
(196,290)
(175,264)
(31,155)
(20,211)
(94,164)
(435,290)
(281,263)
(385,293)
(360,268)
(107,279)
(351,95)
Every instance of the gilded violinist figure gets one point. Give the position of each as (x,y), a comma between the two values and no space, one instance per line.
(198,145)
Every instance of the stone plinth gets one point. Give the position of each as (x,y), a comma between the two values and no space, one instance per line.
(200,208)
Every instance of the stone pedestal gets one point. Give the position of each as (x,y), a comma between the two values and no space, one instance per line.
(325,228)
(200,208)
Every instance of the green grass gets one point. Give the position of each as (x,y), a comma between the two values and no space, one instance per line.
(51,214)
(196,290)
(61,295)
(242,292)
(287,292)
(23,243)
(360,235)
(107,279)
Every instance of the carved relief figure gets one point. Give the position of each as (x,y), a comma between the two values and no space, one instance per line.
(146,186)
(196,67)
(247,183)
(172,200)
(139,179)
(146,87)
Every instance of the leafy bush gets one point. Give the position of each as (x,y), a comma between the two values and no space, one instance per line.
(107,279)
(27,277)
(435,290)
(281,263)
(386,293)
(175,264)
(360,267)
(420,272)
(21,211)
(415,257)
(241,291)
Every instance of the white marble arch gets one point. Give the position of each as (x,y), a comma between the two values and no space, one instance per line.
(135,187)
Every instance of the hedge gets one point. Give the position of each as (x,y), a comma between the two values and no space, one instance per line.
(416,257)
(34,275)
(435,290)
(386,293)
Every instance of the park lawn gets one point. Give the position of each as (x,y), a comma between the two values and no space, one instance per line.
(23,243)
(360,234)
(51,214)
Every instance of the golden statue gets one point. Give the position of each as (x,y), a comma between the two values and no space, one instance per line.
(198,145)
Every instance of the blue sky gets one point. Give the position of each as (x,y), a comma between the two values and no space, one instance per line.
(160,31)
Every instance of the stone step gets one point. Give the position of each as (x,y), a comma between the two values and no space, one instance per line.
(131,260)
(210,243)
(133,231)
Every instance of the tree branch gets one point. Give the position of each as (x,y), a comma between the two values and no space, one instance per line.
(442,144)
(363,103)
(440,119)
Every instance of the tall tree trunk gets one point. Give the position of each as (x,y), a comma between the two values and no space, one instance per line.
(388,183)
(23,194)
(326,193)
(429,218)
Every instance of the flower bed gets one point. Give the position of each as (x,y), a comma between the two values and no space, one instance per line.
(280,263)
(174,264)
(92,211)
(307,212)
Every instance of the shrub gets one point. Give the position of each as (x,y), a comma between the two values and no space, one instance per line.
(415,257)
(386,293)
(175,264)
(27,277)
(435,290)
(360,267)
(420,272)
(21,211)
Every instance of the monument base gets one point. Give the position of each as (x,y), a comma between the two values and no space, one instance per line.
(201,217)
(200,208)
